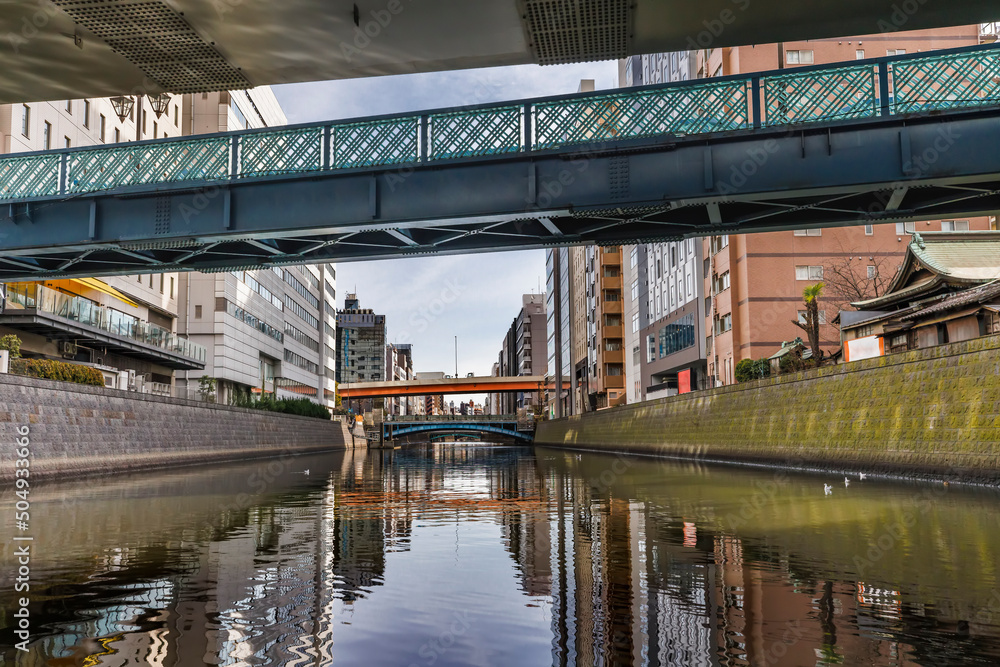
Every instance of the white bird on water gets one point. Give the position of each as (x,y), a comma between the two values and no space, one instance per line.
(827,489)
(861,475)
(847,482)
(306,471)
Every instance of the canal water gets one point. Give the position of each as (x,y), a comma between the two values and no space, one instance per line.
(477,555)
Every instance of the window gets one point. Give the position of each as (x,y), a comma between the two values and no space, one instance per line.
(869,230)
(904,228)
(865,331)
(651,349)
(47,135)
(171,287)
(197,312)
(25,120)
(719,242)
(954,225)
(161,283)
(635,322)
(808,232)
(720,283)
(66,142)
(634,257)
(723,323)
(821,313)
(86,113)
(143,121)
(177,115)
(154,129)
(69,106)
(118,135)
(859,54)
(799,57)
(895,52)
(635,289)
(809,273)
(872,271)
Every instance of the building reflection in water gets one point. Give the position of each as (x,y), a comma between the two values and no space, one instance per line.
(644,566)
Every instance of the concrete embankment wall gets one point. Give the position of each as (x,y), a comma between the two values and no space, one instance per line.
(77,430)
(932,412)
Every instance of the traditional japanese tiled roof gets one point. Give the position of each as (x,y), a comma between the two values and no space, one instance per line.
(987,293)
(953,258)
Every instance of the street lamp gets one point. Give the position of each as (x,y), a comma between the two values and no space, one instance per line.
(159,103)
(123,106)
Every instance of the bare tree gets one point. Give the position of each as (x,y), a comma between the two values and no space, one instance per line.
(859,277)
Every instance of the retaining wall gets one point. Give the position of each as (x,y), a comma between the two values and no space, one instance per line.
(932,412)
(77,429)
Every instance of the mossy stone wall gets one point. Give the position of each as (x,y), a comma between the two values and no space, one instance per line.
(932,412)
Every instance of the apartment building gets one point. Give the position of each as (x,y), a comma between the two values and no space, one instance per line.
(124,325)
(521,353)
(399,368)
(269,330)
(748,287)
(605,327)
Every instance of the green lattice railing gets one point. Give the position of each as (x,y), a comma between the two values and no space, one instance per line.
(168,162)
(949,81)
(476,132)
(31,176)
(371,144)
(811,96)
(281,152)
(693,109)
(959,78)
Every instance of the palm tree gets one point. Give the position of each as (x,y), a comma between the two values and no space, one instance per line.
(811,326)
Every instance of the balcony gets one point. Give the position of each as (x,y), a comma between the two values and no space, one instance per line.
(614,381)
(614,356)
(611,331)
(612,307)
(56,315)
(611,282)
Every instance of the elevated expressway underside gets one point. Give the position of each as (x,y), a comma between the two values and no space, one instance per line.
(68,49)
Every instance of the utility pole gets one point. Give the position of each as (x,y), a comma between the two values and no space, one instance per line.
(456,356)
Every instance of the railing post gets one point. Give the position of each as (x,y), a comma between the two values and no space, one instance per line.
(325,158)
(424,148)
(63,183)
(883,88)
(527,145)
(234,150)
(755,102)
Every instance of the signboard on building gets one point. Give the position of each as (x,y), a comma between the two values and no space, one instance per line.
(864,348)
(684,382)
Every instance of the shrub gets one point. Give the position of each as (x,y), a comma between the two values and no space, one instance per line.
(289,406)
(752,369)
(57,370)
(12,344)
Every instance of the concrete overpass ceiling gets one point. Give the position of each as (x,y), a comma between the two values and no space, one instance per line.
(57,49)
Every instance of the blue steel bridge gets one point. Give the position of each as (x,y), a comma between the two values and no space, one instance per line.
(899,138)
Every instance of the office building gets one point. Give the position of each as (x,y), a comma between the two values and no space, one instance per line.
(360,350)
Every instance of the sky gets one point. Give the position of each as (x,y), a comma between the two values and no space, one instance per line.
(430,300)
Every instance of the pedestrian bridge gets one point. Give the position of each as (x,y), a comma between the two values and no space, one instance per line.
(890,139)
(507,426)
(446,386)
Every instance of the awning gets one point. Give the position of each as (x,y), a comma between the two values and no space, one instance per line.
(104,288)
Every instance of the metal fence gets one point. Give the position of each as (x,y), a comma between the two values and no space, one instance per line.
(954,79)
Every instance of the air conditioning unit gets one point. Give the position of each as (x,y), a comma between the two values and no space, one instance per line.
(67,348)
(131,380)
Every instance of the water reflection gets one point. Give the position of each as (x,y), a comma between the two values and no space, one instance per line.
(453,555)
